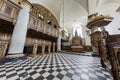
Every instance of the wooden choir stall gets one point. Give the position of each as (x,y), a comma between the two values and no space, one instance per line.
(108,46)
(42,32)
(8,17)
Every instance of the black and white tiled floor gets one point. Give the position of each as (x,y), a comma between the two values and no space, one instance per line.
(77,53)
(54,67)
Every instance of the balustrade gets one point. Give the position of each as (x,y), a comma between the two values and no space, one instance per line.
(39,25)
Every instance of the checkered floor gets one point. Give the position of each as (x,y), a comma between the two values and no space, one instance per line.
(54,67)
(82,54)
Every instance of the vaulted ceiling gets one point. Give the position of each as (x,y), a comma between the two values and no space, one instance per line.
(76,11)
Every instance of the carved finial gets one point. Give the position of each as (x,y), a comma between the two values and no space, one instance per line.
(26,1)
(76,34)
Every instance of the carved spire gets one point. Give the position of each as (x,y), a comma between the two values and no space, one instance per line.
(79,35)
(76,34)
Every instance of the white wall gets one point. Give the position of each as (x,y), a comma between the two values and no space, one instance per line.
(110,9)
(113,27)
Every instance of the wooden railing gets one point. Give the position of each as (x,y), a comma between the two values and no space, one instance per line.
(110,56)
(9,11)
(115,59)
(44,14)
(35,46)
(40,26)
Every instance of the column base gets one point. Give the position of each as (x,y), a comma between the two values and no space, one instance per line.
(15,55)
(34,54)
(43,53)
(59,51)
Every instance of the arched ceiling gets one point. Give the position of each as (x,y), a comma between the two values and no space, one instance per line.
(72,8)
(52,5)
(83,3)
(77,10)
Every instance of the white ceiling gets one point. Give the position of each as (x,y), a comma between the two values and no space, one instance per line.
(83,3)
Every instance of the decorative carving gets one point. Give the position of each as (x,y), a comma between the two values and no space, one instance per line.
(8,17)
(42,28)
(4,41)
(94,38)
(42,22)
(43,14)
(9,10)
(98,20)
(63,32)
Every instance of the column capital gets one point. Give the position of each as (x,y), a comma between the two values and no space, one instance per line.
(26,2)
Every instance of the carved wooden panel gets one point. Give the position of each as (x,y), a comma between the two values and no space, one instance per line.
(1,4)
(4,41)
(95,37)
(44,31)
(33,23)
(40,42)
(76,42)
(9,11)
(43,14)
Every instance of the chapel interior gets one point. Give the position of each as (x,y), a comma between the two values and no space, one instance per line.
(59,39)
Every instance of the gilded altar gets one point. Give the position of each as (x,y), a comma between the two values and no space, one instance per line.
(77,45)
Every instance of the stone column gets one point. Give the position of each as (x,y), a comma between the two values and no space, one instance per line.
(49,48)
(19,32)
(59,44)
(43,48)
(59,41)
(53,47)
(35,48)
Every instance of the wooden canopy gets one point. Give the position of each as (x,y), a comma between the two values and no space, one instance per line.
(99,21)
